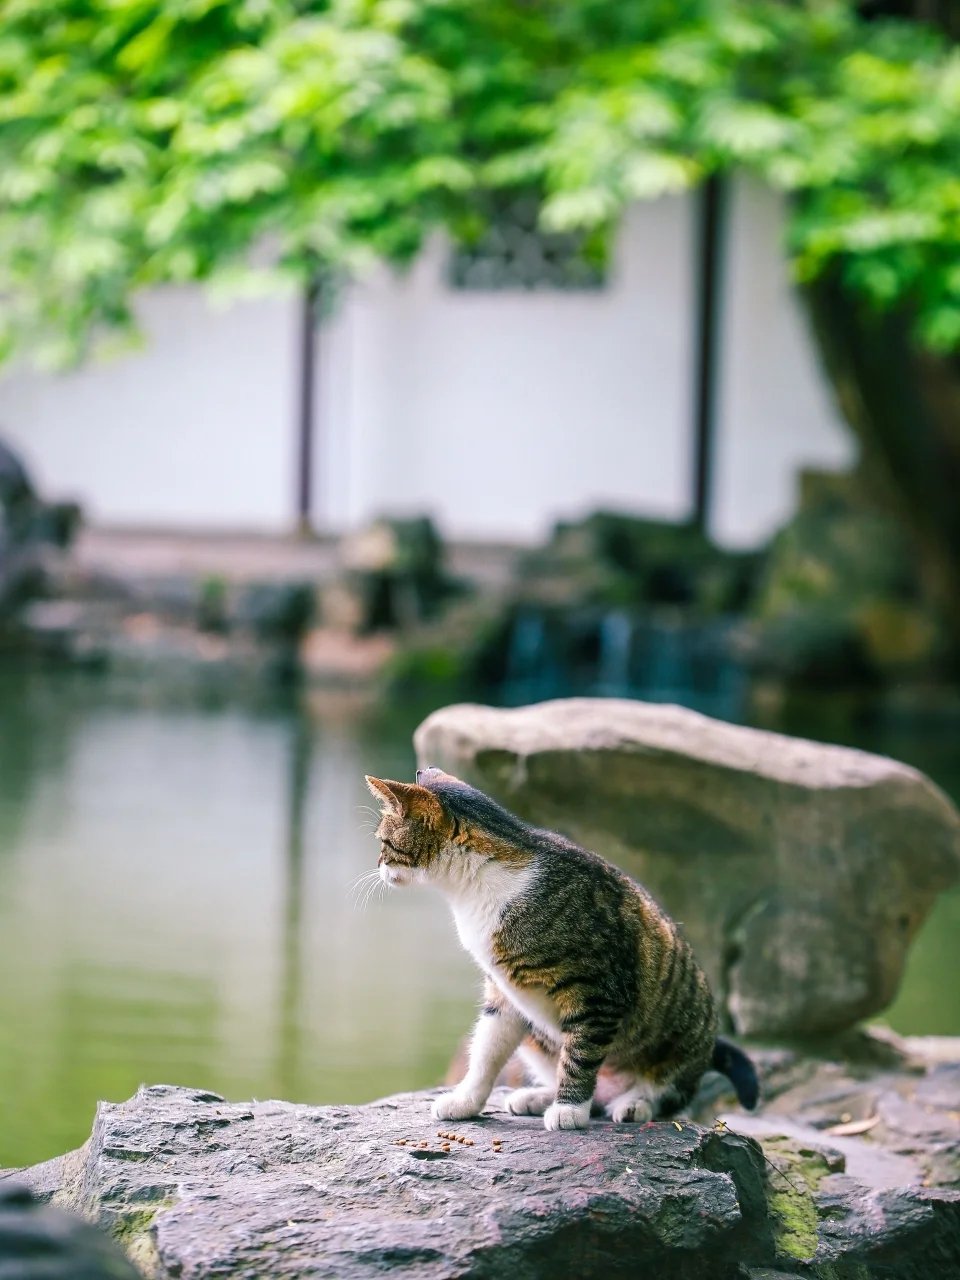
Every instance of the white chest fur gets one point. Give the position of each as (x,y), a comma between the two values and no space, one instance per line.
(478,902)
(477,910)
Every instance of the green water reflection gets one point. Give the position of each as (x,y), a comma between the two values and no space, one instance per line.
(175,905)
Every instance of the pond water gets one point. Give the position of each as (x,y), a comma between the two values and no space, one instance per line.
(176,906)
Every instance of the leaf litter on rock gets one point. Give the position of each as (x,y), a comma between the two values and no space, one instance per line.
(851,1128)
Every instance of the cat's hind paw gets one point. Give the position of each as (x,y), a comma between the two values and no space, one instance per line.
(530,1102)
(640,1103)
(457,1106)
(630,1110)
(567,1115)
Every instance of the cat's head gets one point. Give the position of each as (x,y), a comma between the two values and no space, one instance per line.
(415,828)
(440,830)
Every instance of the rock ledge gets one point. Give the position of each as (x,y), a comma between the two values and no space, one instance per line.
(851,1170)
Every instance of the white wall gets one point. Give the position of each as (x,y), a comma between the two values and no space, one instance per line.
(504,411)
(195,431)
(499,412)
(774,411)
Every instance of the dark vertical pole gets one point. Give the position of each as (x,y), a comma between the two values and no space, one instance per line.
(709,264)
(306,409)
(291,979)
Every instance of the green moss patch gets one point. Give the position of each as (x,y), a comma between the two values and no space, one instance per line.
(793,1175)
(132,1230)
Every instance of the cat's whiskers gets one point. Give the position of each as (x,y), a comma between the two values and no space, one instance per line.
(374,893)
(363,887)
(369,815)
(362,879)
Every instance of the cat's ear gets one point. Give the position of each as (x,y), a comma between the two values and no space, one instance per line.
(386,792)
(405,798)
(432,774)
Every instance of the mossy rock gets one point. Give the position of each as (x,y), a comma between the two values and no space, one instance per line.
(795,1172)
(840,600)
(612,559)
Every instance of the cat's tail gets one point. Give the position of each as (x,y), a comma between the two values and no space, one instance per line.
(739,1070)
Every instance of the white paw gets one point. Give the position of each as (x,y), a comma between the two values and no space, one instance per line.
(529,1102)
(630,1110)
(457,1106)
(567,1115)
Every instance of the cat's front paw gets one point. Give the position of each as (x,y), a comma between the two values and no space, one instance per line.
(567,1115)
(457,1105)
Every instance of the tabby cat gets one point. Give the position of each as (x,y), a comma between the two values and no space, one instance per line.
(585,976)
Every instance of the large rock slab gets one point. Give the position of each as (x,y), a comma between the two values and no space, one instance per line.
(199,1188)
(800,872)
(851,1172)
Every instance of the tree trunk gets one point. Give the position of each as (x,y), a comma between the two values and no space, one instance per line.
(903,404)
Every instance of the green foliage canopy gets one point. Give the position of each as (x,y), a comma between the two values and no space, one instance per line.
(147,141)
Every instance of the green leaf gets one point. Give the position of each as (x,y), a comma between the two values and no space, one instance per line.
(573,210)
(143,141)
(649,175)
(746,130)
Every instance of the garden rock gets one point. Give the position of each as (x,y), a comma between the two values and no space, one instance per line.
(800,872)
(199,1188)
